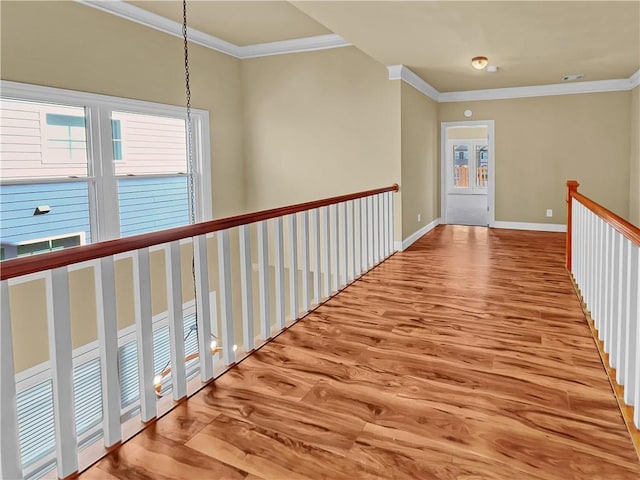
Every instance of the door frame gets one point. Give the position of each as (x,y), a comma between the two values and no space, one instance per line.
(491,190)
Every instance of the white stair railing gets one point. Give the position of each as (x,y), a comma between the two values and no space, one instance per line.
(603,256)
(254,274)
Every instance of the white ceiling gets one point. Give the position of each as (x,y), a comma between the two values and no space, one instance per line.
(532,42)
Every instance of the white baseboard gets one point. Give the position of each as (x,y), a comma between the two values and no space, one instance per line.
(407,242)
(542,227)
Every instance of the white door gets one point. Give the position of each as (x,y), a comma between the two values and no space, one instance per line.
(467,181)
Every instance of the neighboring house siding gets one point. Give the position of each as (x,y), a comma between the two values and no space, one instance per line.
(69,211)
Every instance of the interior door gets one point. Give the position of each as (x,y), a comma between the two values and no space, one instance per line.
(467,182)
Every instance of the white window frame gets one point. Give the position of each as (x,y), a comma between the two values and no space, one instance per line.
(103,218)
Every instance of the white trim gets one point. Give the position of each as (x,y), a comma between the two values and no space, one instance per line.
(541,227)
(162,24)
(400,72)
(491,191)
(296,45)
(634,79)
(411,239)
(600,86)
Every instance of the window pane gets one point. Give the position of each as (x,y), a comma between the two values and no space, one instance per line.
(40,140)
(147,144)
(482,165)
(151,204)
(66,223)
(460,166)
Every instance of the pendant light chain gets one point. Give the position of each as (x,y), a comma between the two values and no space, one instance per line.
(192,205)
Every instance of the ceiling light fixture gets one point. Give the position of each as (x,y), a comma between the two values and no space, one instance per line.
(479,63)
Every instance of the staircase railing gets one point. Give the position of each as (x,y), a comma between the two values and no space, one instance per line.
(255,275)
(603,256)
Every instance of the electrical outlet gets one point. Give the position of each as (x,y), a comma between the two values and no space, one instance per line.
(549,212)
(419,216)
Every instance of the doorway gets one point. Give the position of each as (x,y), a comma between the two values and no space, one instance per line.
(468,177)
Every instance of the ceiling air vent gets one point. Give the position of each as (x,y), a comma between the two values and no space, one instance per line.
(572,78)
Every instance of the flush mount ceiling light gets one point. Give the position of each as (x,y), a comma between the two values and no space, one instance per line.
(479,63)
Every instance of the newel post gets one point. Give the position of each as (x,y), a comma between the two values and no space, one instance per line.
(572,187)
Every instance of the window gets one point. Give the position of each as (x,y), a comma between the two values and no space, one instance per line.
(81,155)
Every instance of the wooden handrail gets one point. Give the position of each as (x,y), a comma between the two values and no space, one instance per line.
(16,267)
(620,224)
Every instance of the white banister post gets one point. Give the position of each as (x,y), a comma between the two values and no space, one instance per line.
(376,230)
(263,279)
(382,214)
(306,304)
(616,299)
(144,333)
(294,309)
(10,464)
(279,266)
(391,224)
(317,292)
(364,217)
(326,248)
(632,316)
(60,348)
(226,302)
(175,320)
(107,321)
(635,312)
(343,277)
(203,305)
(335,246)
(351,244)
(357,238)
(623,317)
(246,287)
(370,234)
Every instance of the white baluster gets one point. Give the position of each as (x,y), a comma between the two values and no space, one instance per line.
(176,320)
(382,218)
(306,304)
(635,314)
(335,248)
(370,234)
(391,224)
(630,339)
(326,249)
(279,266)
(343,247)
(376,230)
(60,348)
(263,279)
(293,267)
(615,298)
(317,293)
(10,464)
(107,321)
(226,301)
(203,305)
(246,287)
(351,245)
(623,316)
(144,333)
(364,231)
(357,238)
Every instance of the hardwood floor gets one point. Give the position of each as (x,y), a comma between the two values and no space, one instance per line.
(465,357)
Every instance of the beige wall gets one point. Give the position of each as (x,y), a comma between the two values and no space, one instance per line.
(634,177)
(420,160)
(542,142)
(67,45)
(467,133)
(319,124)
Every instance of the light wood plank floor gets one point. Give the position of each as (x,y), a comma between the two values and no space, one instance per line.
(466,357)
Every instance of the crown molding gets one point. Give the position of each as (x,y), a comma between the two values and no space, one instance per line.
(600,86)
(635,79)
(162,24)
(306,44)
(400,72)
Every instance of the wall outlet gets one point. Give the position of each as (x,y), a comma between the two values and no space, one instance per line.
(419,216)
(549,212)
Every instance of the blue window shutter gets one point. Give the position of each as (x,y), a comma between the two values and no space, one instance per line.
(87,386)
(36,429)
(128,374)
